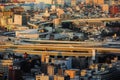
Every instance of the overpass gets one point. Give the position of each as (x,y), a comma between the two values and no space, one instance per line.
(85,20)
(93,20)
(50,53)
(53,49)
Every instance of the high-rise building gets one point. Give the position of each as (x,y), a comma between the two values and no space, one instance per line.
(43,77)
(67,1)
(111,2)
(44,1)
(73,2)
(7,1)
(3,1)
(21,19)
(14,73)
(26,0)
(88,1)
(60,2)
(100,2)
(95,1)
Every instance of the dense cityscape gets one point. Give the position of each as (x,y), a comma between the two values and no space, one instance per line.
(59,39)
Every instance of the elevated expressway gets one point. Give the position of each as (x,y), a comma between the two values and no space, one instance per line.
(57,49)
(93,20)
(85,20)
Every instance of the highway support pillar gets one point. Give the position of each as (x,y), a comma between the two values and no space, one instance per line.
(93,55)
